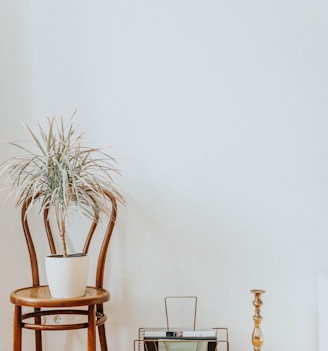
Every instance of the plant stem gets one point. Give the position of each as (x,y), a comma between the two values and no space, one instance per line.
(62,236)
(63,239)
(62,230)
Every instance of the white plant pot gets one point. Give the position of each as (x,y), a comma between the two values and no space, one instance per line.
(67,276)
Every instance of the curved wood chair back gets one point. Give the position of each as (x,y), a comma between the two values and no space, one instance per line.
(99,276)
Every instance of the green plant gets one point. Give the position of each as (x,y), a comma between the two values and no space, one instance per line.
(61,173)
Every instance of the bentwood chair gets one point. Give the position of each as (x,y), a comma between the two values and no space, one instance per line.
(39,304)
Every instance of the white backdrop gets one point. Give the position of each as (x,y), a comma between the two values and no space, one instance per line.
(323,310)
(217,112)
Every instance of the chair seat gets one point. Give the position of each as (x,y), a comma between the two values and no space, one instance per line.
(40,297)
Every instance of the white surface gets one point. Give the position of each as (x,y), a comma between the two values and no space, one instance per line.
(199,333)
(217,111)
(323,311)
(153,333)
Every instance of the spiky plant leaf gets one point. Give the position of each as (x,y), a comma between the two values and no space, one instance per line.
(61,173)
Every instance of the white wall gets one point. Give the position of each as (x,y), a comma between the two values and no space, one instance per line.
(217,111)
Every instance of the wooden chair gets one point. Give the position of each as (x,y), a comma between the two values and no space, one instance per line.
(37,298)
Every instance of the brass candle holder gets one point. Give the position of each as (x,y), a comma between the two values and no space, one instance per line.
(257,336)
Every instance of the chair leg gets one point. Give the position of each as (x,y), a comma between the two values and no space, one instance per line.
(102,337)
(102,331)
(17,344)
(92,328)
(38,335)
(38,340)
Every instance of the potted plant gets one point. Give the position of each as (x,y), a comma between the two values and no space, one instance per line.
(61,173)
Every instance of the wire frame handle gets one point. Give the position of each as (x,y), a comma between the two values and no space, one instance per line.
(180,297)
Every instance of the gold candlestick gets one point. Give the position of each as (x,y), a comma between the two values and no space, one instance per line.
(257,336)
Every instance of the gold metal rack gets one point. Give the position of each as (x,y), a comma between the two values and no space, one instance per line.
(178,337)
(194,345)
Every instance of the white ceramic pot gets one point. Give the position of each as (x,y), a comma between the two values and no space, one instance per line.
(67,276)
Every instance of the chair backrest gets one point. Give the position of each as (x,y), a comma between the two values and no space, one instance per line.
(99,277)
